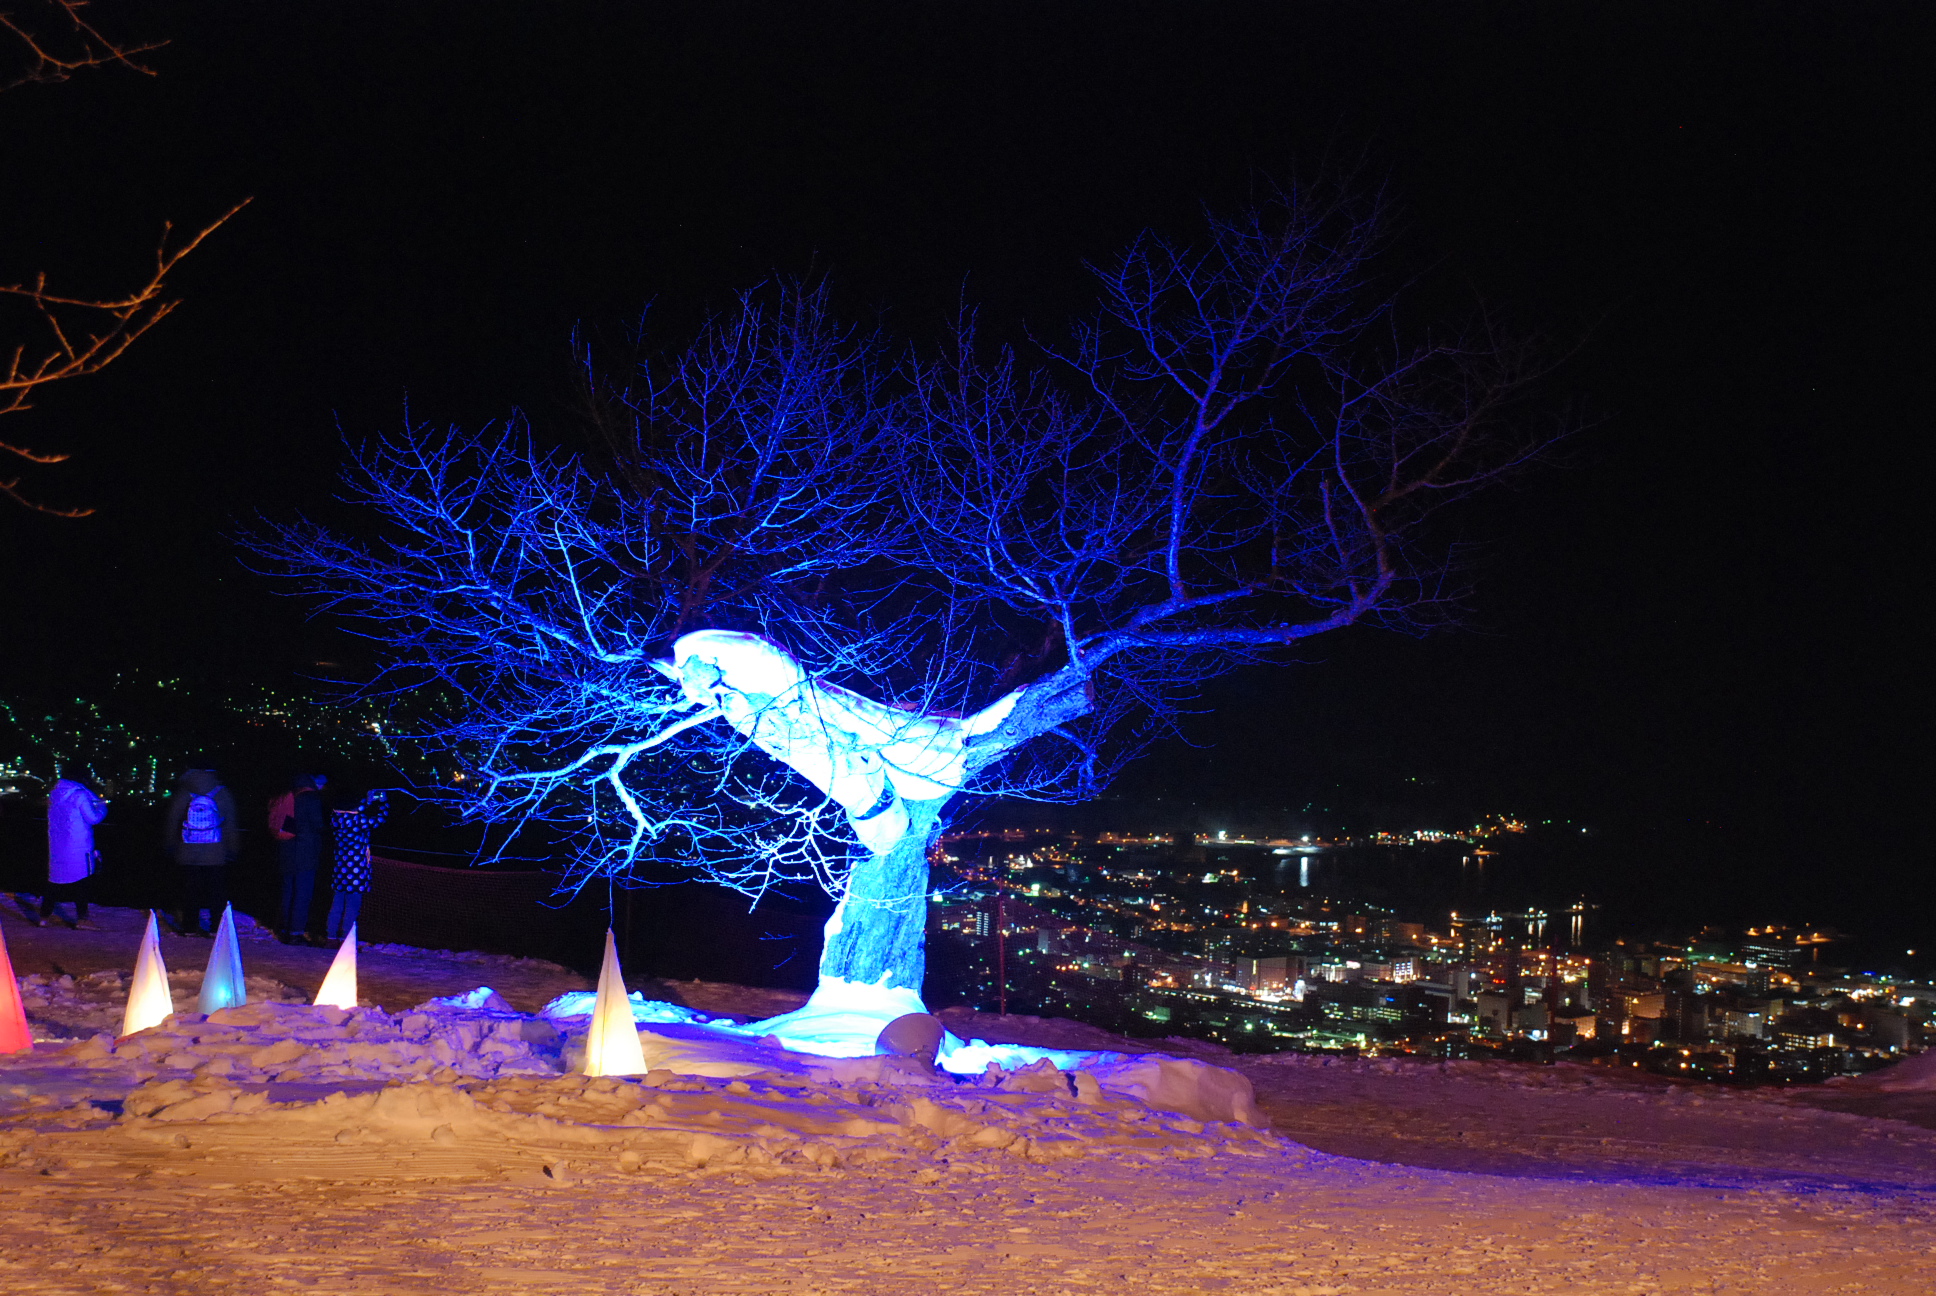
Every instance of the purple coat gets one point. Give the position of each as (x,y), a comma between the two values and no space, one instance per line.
(72,812)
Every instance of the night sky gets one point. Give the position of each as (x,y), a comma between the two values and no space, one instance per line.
(1695,636)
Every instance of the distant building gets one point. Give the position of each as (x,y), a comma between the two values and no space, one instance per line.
(1642,1005)
(1494,1015)
(1573,1026)
(1264,975)
(1810,1028)
(1531,1020)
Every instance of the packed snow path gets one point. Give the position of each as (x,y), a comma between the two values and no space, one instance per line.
(1302,1226)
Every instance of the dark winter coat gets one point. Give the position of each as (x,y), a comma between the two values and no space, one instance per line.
(195,783)
(303,853)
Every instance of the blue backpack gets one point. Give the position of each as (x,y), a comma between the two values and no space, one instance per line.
(202,822)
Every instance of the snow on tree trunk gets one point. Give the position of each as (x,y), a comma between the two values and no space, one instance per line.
(890,770)
(878,933)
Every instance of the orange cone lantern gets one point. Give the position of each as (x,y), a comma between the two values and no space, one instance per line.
(612,1045)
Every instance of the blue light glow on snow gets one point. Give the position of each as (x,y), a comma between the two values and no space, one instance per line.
(841,1020)
(973,1057)
(482,999)
(844,1019)
(578,1003)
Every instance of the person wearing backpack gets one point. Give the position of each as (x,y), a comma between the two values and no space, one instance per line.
(200,832)
(300,834)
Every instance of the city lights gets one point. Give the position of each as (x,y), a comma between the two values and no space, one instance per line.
(1126,929)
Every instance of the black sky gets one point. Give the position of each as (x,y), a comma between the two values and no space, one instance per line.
(1701,629)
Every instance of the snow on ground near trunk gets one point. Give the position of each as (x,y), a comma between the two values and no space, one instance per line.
(816,1039)
(569,1125)
(266,1080)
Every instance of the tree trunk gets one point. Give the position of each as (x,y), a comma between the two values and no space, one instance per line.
(878,935)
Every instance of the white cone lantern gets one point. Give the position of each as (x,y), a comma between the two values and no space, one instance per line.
(339,984)
(149,1000)
(612,1047)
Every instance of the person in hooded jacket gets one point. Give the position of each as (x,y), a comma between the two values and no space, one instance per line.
(72,811)
(350,865)
(200,832)
(299,855)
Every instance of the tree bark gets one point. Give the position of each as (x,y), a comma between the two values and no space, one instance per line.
(878,934)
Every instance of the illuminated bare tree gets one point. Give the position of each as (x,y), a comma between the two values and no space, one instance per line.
(77,335)
(803,601)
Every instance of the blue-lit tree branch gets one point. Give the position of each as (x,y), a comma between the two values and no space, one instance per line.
(807,591)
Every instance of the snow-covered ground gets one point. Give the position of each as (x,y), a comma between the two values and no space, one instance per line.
(446,1147)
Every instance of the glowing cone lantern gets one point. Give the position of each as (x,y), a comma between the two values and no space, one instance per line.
(222,985)
(14,1035)
(149,1000)
(339,985)
(612,1047)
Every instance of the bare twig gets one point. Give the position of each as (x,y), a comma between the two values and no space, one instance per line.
(83,335)
(70,47)
(74,45)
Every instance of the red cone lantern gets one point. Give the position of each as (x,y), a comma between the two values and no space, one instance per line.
(14,1035)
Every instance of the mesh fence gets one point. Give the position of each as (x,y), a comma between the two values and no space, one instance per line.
(478,909)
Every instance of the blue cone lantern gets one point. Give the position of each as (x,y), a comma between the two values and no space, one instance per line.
(222,985)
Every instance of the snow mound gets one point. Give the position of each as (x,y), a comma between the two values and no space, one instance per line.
(1185,1085)
(482,999)
(63,1007)
(856,1113)
(810,1087)
(298,1089)
(260,1043)
(844,1019)
(578,1003)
